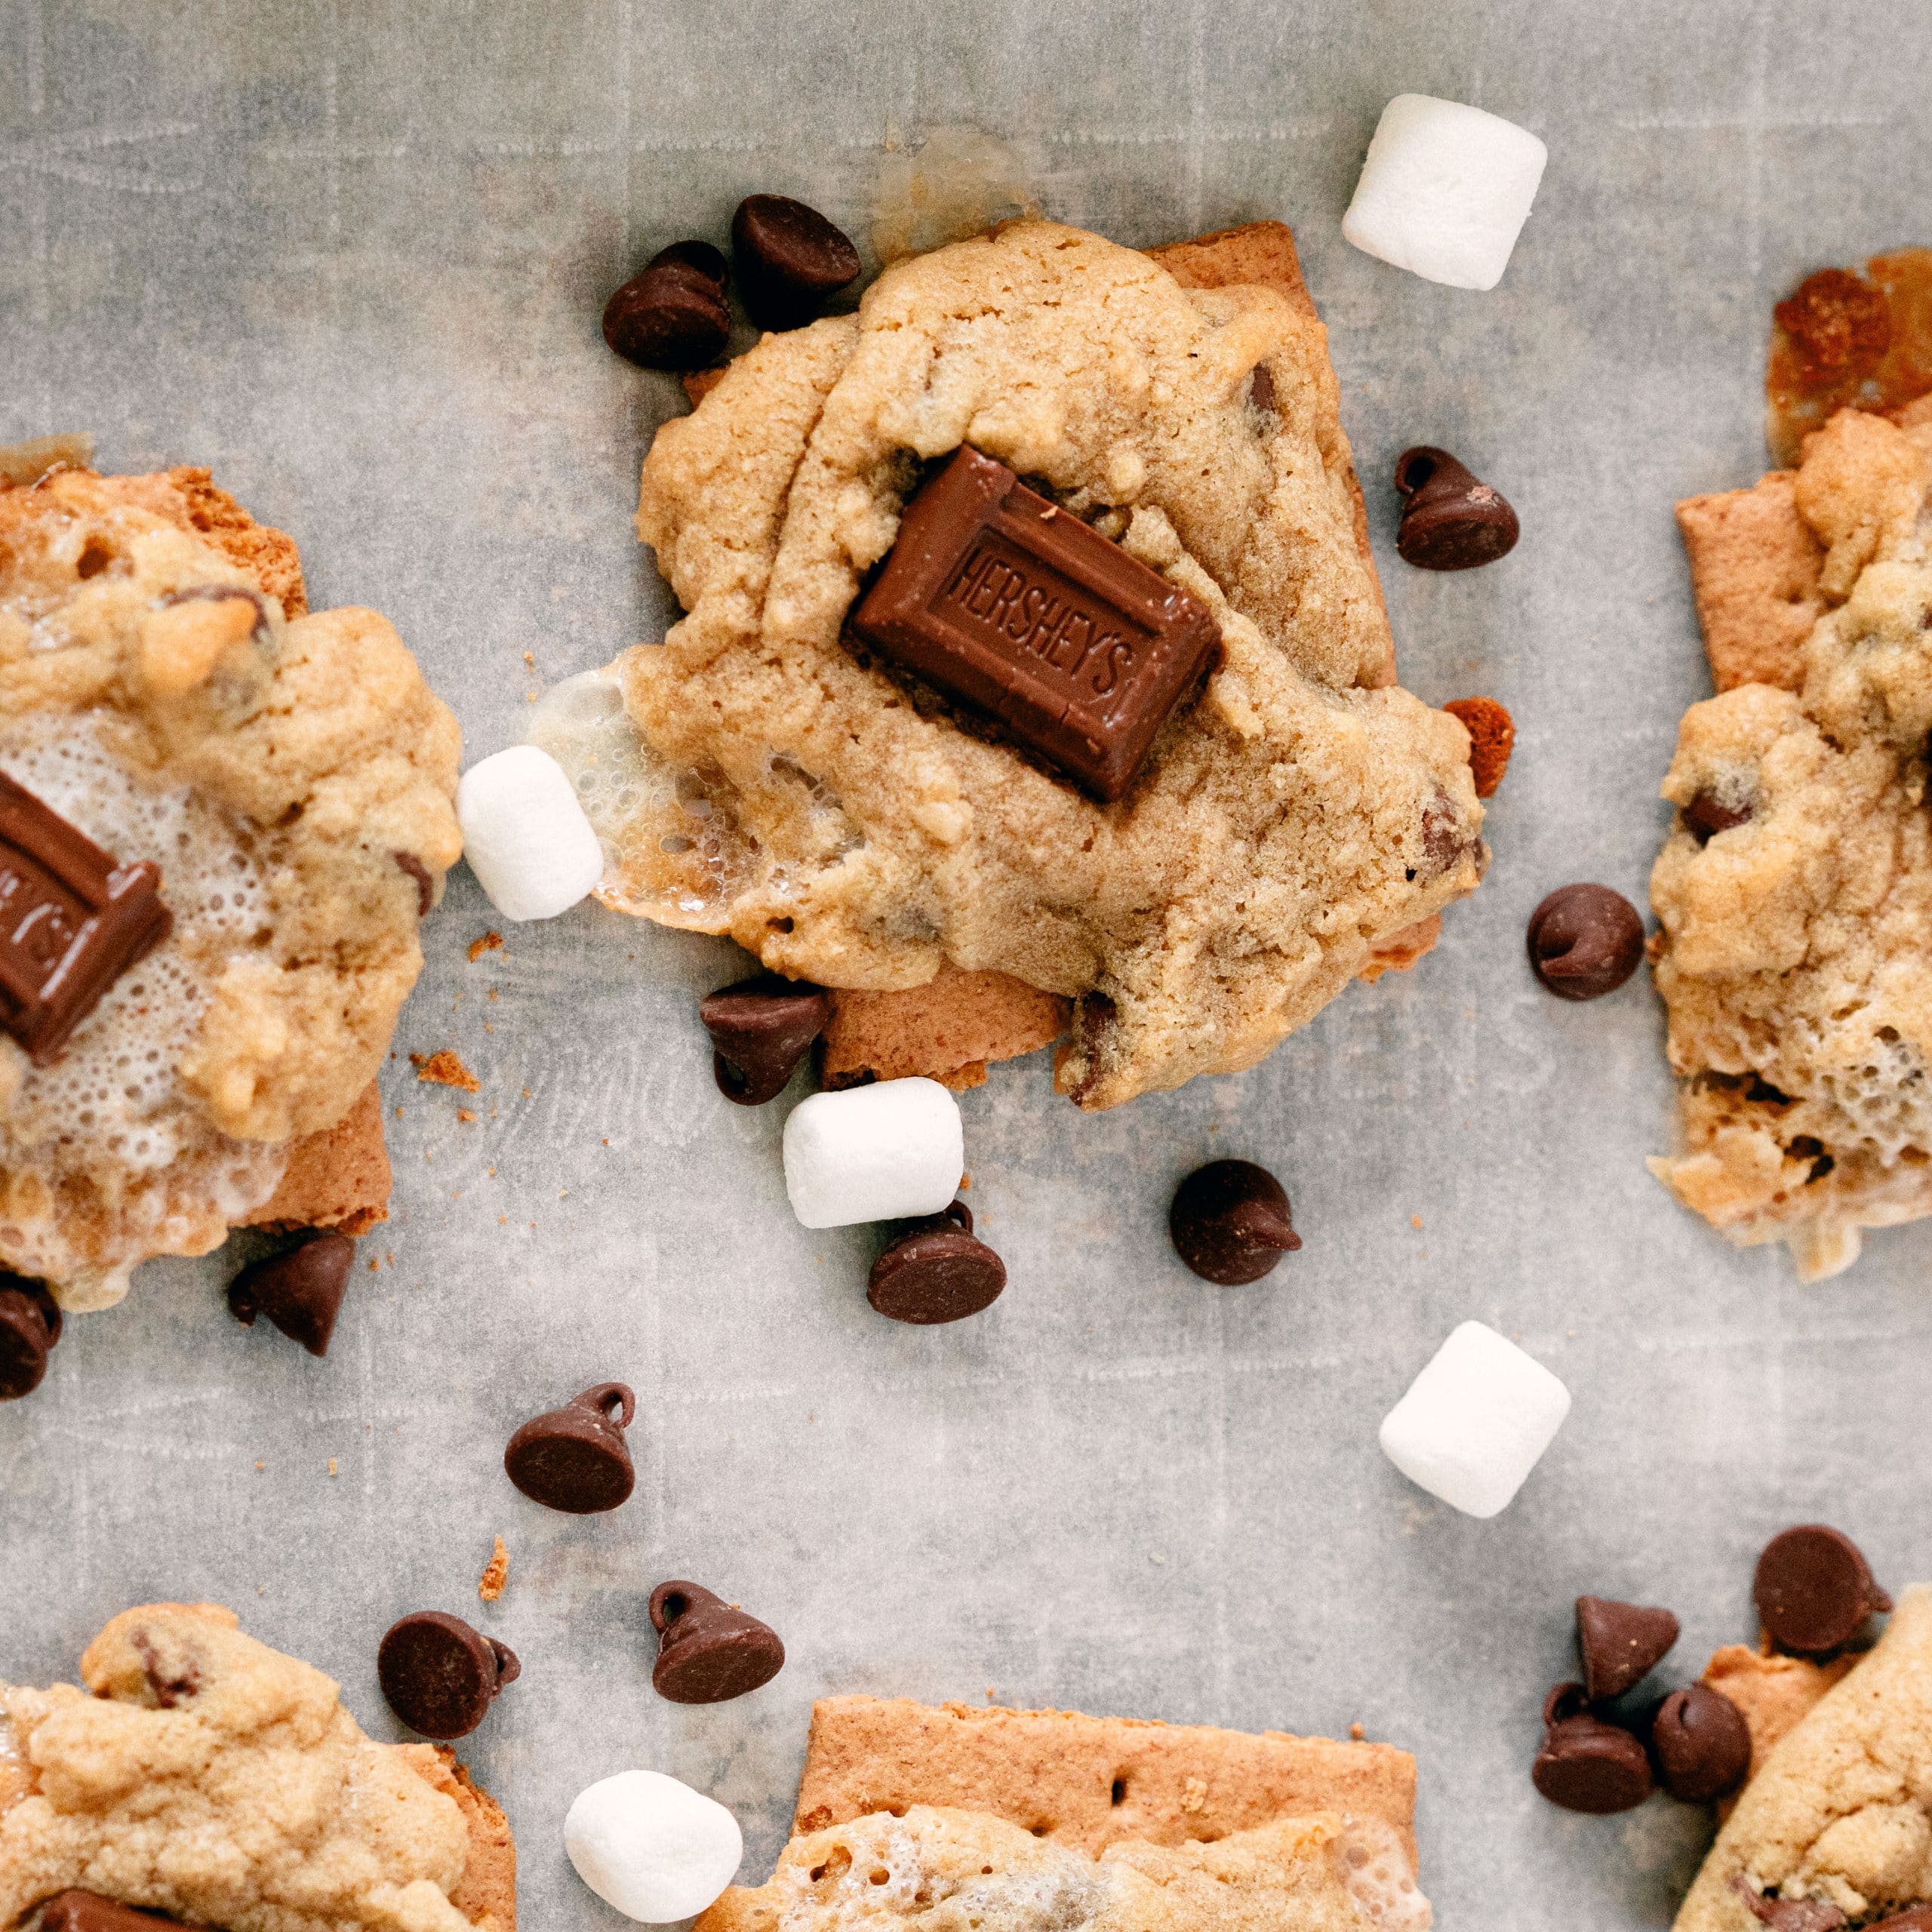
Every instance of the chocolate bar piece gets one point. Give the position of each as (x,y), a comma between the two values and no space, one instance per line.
(72,921)
(1012,605)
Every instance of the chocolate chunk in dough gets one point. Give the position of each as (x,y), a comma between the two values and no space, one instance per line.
(1229,1222)
(1619,1643)
(1585,941)
(1701,1743)
(790,259)
(1814,1590)
(761,1029)
(300,1289)
(1450,520)
(88,1912)
(1705,816)
(439,1675)
(936,1271)
(709,1650)
(575,1459)
(29,1327)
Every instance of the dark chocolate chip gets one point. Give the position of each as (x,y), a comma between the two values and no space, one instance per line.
(1585,941)
(1229,1222)
(760,1030)
(1619,1643)
(1789,1915)
(1814,1590)
(936,1271)
(575,1459)
(439,1675)
(790,259)
(300,1289)
(1261,390)
(1701,1744)
(29,1327)
(1914,1918)
(88,1912)
(425,886)
(671,317)
(1705,816)
(1586,1764)
(707,1650)
(700,258)
(1450,520)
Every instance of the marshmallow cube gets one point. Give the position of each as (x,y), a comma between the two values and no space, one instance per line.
(1445,190)
(878,1153)
(1475,1420)
(656,1849)
(524,835)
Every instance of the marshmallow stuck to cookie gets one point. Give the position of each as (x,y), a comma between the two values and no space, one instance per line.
(524,835)
(885,1152)
(653,1848)
(1475,1421)
(1445,191)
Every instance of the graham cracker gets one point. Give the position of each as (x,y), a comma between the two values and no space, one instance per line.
(1088,1782)
(486,1893)
(1773,1692)
(1754,567)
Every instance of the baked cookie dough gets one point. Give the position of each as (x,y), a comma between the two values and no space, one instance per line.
(852,829)
(165,688)
(1837,1813)
(201,1774)
(1794,892)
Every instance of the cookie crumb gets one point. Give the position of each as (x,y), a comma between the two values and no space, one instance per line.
(442,1068)
(1357,1732)
(1194,1796)
(332,1470)
(491,942)
(465,1113)
(496,1574)
(1492,737)
(1415,1220)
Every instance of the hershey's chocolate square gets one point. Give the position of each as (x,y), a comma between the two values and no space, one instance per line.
(1013,606)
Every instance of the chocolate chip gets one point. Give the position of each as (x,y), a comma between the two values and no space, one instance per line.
(708,1649)
(1586,1764)
(1451,521)
(1585,941)
(1914,1918)
(439,1675)
(169,1687)
(1619,1643)
(789,260)
(425,886)
(575,1459)
(1445,837)
(88,1912)
(1261,390)
(671,317)
(1229,1222)
(1789,1915)
(1814,1590)
(1701,1744)
(700,258)
(300,1289)
(760,1029)
(29,1327)
(1705,816)
(936,1271)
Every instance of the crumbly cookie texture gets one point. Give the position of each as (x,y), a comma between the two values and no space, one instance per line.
(294,779)
(857,831)
(1796,953)
(952,1869)
(211,1778)
(1772,1691)
(1838,1811)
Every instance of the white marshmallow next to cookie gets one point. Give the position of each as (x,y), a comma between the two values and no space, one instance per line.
(1445,191)
(525,835)
(885,1152)
(653,1848)
(1475,1420)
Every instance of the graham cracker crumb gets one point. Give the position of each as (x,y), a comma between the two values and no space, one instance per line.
(1357,1732)
(1492,736)
(496,1574)
(442,1068)
(466,1113)
(491,942)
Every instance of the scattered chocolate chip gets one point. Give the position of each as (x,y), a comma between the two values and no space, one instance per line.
(790,259)
(1705,817)
(670,317)
(575,1459)
(439,1675)
(425,886)
(1585,941)
(700,258)
(88,1912)
(760,1029)
(300,1289)
(29,1327)
(1230,1223)
(709,1650)
(1451,521)
(1789,1915)
(1619,1643)
(1701,1744)
(1814,1590)
(1586,1764)
(937,1271)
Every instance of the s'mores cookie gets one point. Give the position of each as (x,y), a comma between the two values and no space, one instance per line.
(223,816)
(202,1775)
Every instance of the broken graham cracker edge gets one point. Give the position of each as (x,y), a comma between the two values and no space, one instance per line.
(1055,1772)
(486,1893)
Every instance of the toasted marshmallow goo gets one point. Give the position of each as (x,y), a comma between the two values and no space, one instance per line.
(878,1153)
(1475,1421)
(653,1848)
(1445,191)
(525,835)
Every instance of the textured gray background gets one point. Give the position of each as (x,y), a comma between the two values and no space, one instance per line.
(352,255)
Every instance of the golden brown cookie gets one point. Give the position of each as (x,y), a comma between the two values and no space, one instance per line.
(1772,1691)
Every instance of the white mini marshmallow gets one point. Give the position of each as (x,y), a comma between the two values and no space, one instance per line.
(656,1849)
(1475,1420)
(1445,190)
(525,835)
(877,1153)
